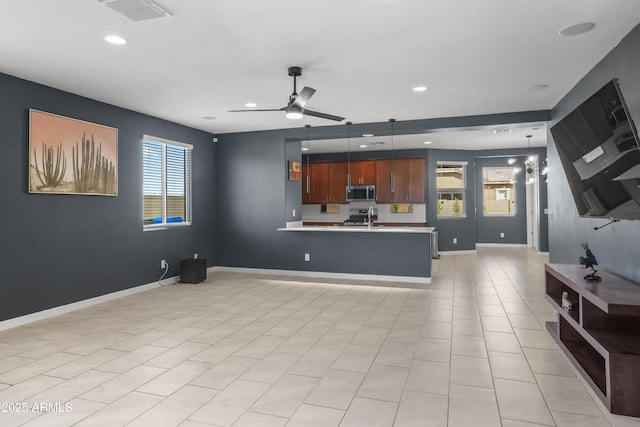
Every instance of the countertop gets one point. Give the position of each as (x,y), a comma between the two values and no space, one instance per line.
(358,229)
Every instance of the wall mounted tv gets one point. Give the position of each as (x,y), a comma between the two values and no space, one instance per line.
(598,146)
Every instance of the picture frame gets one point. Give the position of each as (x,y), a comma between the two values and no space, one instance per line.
(294,170)
(71,156)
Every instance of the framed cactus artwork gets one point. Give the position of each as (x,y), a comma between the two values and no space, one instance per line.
(70,156)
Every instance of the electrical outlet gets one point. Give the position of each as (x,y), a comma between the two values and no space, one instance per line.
(163,264)
(307,257)
(294,213)
(502,235)
(455,240)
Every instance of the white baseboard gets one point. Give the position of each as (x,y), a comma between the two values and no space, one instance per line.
(502,245)
(467,252)
(325,275)
(67,308)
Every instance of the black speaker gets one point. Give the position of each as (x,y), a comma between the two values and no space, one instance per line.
(193,270)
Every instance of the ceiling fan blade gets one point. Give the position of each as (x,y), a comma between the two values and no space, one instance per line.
(303,97)
(253,109)
(322,115)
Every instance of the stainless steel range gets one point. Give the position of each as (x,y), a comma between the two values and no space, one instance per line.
(361,216)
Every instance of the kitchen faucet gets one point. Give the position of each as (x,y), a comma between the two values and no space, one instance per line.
(369,215)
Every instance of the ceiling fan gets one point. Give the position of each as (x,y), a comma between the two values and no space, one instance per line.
(295,107)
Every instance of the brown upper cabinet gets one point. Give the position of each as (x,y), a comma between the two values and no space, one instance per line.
(409,181)
(363,172)
(327,181)
(324,182)
(337,182)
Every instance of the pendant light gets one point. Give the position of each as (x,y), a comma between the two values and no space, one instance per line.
(530,164)
(308,178)
(348,156)
(393,166)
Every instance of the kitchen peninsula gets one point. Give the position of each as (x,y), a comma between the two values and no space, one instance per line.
(401,254)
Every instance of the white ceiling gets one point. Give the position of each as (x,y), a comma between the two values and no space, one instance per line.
(489,138)
(362,56)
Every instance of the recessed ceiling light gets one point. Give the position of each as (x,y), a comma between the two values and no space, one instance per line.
(427,142)
(501,130)
(420,89)
(577,29)
(367,135)
(363,146)
(536,88)
(251,105)
(511,161)
(305,148)
(208,118)
(115,39)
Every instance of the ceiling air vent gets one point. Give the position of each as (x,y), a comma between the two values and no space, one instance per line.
(137,10)
(377,143)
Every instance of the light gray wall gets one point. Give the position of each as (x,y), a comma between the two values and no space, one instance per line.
(616,246)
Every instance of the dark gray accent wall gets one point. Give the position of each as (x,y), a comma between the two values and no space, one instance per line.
(463,228)
(59,249)
(489,227)
(616,246)
(253,195)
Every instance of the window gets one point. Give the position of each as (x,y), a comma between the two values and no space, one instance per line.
(498,191)
(450,186)
(166,183)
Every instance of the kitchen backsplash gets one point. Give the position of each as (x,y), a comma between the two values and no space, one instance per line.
(312,213)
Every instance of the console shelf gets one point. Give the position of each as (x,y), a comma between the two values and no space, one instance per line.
(600,333)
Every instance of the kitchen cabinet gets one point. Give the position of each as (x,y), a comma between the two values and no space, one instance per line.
(327,182)
(363,172)
(337,182)
(409,181)
(315,187)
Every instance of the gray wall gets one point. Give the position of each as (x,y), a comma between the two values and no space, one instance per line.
(616,246)
(463,229)
(489,227)
(254,199)
(58,249)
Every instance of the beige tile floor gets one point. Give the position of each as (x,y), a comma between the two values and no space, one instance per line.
(257,350)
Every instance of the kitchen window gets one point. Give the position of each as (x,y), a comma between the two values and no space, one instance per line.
(166,183)
(450,186)
(498,192)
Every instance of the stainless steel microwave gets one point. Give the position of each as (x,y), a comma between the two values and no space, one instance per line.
(361,192)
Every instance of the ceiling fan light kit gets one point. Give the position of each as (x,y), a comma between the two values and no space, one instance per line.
(295,108)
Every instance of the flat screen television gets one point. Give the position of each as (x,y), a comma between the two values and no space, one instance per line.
(598,147)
